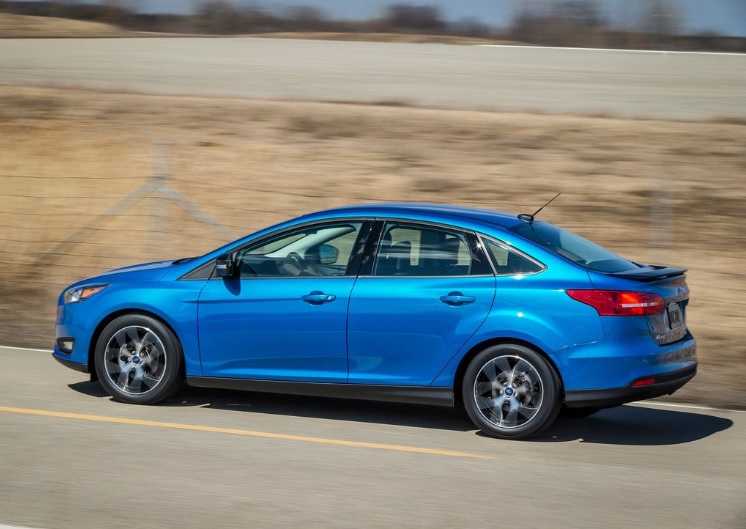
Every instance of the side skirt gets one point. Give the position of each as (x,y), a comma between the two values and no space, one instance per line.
(408,394)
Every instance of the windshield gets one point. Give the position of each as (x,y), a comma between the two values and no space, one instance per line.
(573,247)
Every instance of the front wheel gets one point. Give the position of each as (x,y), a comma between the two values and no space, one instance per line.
(511,392)
(138,360)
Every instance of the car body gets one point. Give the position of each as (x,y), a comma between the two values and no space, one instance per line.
(507,315)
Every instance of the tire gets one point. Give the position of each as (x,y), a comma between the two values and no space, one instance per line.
(138,360)
(511,392)
(578,413)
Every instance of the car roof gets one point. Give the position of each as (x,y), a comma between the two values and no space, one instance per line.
(423,211)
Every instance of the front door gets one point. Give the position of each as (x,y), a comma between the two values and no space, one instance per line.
(285,316)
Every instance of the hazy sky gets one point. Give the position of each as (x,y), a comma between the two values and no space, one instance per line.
(727,17)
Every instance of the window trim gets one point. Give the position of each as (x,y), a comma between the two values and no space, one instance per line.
(478,254)
(510,248)
(353,263)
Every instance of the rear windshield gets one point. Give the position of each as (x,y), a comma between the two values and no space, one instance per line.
(573,247)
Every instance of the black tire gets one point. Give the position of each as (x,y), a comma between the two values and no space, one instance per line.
(578,413)
(511,392)
(138,360)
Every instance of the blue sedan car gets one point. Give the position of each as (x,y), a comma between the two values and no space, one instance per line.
(508,316)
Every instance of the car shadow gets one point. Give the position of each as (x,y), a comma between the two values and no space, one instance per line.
(625,425)
(398,414)
(636,426)
(92,389)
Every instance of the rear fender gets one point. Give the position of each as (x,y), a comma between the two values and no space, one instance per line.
(555,324)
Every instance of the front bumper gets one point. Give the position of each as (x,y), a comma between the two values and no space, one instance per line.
(77,366)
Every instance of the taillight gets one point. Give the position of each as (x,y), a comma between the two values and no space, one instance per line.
(619,302)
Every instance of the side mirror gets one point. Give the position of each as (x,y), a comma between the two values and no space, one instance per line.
(328,254)
(225,265)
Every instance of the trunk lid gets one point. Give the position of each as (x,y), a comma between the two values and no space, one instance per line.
(669,325)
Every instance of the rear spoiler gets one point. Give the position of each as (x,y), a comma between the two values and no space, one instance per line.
(650,273)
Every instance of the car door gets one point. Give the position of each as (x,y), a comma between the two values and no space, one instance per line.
(428,290)
(284,317)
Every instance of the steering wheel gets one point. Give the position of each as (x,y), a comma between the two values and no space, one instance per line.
(293,264)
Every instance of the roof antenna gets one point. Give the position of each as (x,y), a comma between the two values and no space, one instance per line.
(526,217)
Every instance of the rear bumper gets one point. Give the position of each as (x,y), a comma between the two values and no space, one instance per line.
(606,398)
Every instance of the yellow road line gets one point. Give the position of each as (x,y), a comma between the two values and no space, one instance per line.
(247,433)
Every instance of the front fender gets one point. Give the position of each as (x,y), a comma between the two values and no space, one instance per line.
(173,302)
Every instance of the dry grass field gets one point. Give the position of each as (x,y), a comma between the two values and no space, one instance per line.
(23,26)
(658,191)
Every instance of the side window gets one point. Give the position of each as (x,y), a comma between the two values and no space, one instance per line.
(311,251)
(409,250)
(508,262)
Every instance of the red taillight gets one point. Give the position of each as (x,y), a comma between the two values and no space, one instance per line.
(642,382)
(619,302)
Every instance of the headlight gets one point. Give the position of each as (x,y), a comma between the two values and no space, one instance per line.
(76,294)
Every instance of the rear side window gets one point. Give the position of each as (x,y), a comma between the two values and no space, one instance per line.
(573,247)
(508,262)
(410,250)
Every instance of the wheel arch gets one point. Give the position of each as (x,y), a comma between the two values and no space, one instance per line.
(113,316)
(458,379)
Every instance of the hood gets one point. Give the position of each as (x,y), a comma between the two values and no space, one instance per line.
(141,272)
(155,265)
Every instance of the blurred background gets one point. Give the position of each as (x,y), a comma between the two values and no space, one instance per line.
(638,24)
(159,142)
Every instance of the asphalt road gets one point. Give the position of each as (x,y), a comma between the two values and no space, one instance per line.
(72,458)
(637,84)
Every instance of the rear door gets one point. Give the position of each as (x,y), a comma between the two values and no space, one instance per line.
(425,292)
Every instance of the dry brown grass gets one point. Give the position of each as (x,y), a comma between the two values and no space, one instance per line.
(67,155)
(20,26)
(24,26)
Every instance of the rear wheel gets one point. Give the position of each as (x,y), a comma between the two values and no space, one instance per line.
(138,360)
(511,392)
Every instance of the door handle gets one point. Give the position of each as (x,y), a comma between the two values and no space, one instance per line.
(317,297)
(456,299)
